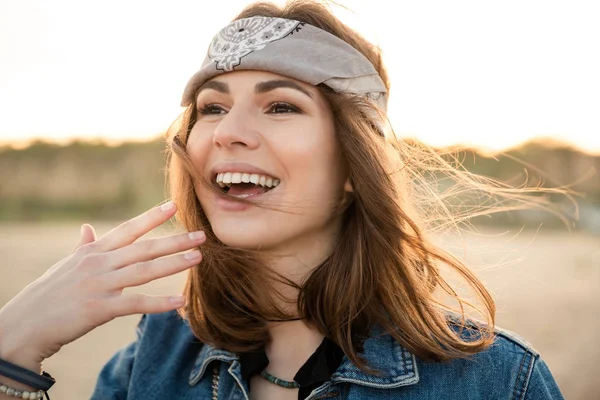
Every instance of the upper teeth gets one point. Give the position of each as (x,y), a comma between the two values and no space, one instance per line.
(227,178)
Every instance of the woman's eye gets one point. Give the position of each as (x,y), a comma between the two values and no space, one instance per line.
(211,109)
(282,108)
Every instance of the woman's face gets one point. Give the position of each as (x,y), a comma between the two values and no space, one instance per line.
(271,140)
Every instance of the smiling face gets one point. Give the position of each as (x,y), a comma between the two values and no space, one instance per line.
(271,140)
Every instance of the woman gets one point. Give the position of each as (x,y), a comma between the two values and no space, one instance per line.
(316,278)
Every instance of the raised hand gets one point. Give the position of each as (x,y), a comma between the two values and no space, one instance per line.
(85,290)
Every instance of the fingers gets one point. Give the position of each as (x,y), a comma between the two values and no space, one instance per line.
(147,271)
(153,248)
(128,304)
(128,232)
(88,235)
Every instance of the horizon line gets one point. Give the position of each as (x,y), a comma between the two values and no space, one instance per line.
(109,142)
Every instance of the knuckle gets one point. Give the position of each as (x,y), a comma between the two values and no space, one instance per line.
(90,259)
(127,230)
(87,248)
(87,284)
(148,245)
(143,268)
(144,246)
(93,307)
(135,302)
(184,238)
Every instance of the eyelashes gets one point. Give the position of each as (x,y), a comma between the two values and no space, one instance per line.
(211,109)
(278,107)
(283,108)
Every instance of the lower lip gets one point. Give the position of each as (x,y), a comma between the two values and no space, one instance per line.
(229,205)
(226,204)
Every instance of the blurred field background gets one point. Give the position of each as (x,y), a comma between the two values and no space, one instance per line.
(545,273)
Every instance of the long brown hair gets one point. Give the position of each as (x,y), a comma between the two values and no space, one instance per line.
(384,256)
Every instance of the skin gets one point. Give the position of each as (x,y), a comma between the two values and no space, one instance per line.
(85,289)
(288,131)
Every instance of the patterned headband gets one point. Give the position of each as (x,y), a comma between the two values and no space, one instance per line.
(291,48)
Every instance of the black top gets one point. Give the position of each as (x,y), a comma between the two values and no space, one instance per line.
(316,370)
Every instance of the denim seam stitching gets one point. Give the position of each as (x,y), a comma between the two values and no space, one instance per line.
(404,382)
(238,381)
(517,340)
(195,377)
(409,378)
(529,372)
(319,391)
(514,396)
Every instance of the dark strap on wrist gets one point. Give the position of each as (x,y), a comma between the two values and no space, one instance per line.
(25,376)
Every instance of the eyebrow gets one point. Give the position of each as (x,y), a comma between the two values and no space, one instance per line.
(261,87)
(267,86)
(215,85)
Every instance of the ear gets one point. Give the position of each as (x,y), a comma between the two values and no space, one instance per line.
(348,186)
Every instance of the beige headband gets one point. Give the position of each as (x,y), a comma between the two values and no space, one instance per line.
(290,48)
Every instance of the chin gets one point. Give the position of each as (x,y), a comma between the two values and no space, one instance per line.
(245,233)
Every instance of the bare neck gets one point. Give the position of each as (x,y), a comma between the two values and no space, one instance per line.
(290,345)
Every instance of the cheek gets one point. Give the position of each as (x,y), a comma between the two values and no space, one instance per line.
(312,162)
(198,144)
(198,149)
(312,149)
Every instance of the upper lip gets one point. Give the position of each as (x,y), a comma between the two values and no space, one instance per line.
(237,166)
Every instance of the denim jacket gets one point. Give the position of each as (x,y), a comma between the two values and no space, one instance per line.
(168,362)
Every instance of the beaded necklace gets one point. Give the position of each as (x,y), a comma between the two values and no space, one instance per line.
(279,382)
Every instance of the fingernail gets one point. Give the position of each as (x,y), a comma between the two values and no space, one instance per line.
(178,300)
(168,206)
(192,255)
(196,235)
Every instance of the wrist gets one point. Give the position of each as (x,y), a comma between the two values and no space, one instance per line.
(21,361)
(17,349)
(15,354)
(33,366)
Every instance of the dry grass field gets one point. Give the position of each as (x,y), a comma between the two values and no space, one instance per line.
(546,284)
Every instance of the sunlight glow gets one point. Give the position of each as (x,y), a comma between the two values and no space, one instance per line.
(488,74)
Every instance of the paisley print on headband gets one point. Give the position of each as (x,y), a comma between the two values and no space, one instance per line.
(245,36)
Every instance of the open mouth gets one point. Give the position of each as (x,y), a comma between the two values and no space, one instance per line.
(242,185)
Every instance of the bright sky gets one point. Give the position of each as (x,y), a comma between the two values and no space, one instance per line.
(485,73)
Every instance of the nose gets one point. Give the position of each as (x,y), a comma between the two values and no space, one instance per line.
(236,129)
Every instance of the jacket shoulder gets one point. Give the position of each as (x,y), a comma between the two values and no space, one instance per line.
(469,329)
(508,338)
(158,359)
(510,362)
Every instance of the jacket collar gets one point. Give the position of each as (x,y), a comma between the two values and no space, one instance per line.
(397,366)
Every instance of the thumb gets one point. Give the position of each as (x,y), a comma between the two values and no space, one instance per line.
(88,235)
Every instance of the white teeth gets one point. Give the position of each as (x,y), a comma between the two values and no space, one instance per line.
(228,178)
